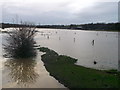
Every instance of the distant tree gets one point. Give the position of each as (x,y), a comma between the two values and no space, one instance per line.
(20,42)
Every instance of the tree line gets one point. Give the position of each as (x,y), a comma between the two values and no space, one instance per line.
(90,26)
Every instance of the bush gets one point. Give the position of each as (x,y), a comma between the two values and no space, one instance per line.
(20,42)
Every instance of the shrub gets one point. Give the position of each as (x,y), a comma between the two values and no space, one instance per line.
(20,42)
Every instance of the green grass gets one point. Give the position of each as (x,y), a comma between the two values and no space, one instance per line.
(73,76)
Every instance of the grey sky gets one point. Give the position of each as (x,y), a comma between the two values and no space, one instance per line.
(59,11)
(119,11)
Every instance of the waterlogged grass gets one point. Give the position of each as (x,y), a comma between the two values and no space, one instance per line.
(73,76)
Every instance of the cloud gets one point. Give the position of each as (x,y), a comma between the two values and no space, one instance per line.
(119,11)
(60,11)
(100,12)
(0,12)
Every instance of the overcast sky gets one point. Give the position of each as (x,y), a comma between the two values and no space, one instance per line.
(59,11)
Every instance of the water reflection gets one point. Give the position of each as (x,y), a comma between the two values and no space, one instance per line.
(59,38)
(74,40)
(48,37)
(20,49)
(22,71)
(25,72)
(97,34)
(93,41)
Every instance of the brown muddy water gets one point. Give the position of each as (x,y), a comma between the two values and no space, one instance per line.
(29,73)
(24,73)
(86,46)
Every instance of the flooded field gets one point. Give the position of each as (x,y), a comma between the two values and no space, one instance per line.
(25,73)
(86,46)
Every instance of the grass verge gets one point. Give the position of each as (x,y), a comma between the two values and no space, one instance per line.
(73,76)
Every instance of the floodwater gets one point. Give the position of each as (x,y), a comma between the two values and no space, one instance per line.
(0,61)
(26,73)
(29,73)
(86,46)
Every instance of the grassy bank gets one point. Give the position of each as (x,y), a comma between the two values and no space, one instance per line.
(73,76)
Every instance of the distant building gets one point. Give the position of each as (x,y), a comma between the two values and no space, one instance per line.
(73,26)
(79,27)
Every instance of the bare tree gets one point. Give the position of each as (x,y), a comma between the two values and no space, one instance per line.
(20,42)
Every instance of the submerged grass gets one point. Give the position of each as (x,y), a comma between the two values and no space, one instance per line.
(73,76)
